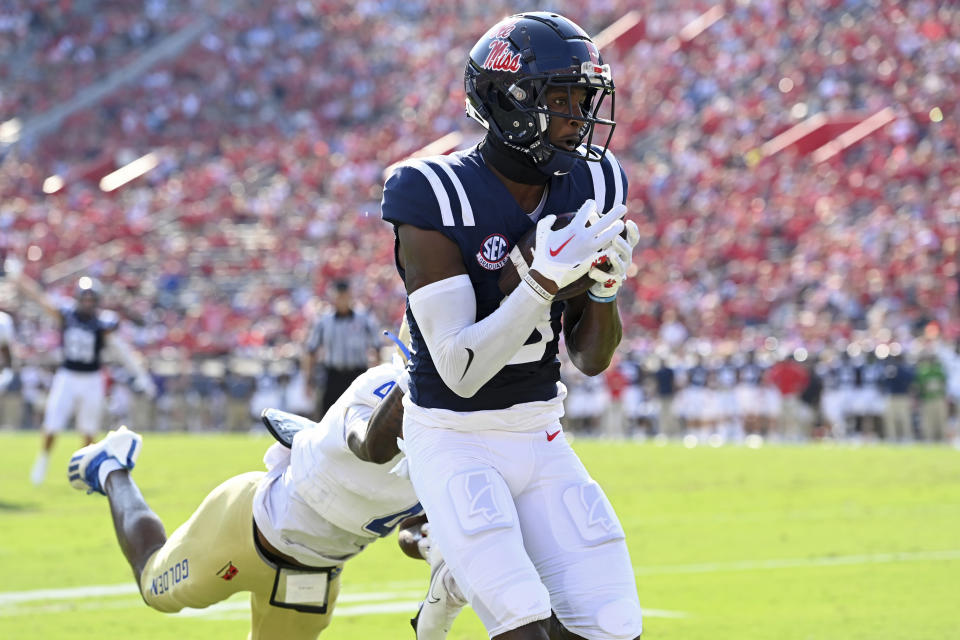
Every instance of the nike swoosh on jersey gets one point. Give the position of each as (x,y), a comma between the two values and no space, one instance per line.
(469,361)
(551,436)
(554,252)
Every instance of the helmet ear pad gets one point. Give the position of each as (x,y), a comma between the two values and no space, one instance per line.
(518,127)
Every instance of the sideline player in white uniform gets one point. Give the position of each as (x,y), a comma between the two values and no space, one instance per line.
(520,523)
(282,535)
(78,387)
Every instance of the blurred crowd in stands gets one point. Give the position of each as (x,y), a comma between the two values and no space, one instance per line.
(699,394)
(272,130)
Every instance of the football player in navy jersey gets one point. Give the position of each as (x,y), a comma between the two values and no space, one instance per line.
(78,387)
(520,524)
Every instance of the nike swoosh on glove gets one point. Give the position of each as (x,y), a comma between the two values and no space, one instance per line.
(564,255)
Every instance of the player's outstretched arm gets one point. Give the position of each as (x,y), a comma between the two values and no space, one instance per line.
(378,442)
(31,288)
(131,360)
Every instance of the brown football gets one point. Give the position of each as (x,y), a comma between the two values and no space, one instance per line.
(509,278)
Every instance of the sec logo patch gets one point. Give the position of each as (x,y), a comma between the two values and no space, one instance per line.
(493,252)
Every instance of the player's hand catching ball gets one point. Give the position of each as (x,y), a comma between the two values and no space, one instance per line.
(619,256)
(564,255)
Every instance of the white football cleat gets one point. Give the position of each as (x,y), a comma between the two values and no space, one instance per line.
(121,445)
(39,470)
(442,604)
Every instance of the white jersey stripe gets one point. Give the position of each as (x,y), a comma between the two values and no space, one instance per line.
(617,179)
(465,208)
(599,185)
(446,213)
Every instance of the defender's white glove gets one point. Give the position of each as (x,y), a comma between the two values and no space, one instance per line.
(12,268)
(619,255)
(566,254)
(425,543)
(145,383)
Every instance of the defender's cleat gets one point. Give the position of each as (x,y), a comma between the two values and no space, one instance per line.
(121,445)
(283,425)
(441,606)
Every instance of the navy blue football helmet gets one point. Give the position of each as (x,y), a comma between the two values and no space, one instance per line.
(87,286)
(509,72)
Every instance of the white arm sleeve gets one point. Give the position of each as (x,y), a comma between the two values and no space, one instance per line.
(124,353)
(468,353)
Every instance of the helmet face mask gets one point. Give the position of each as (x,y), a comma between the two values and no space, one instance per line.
(517,66)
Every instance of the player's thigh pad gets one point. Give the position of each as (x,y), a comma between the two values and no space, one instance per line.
(577,544)
(92,391)
(60,402)
(269,622)
(212,555)
(473,517)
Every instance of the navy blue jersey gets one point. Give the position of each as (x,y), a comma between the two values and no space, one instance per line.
(831,376)
(846,374)
(461,198)
(697,376)
(726,376)
(750,374)
(666,381)
(872,373)
(82,338)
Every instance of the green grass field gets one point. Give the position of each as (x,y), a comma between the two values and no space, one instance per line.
(774,543)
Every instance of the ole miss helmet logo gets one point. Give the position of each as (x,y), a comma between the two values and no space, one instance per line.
(493,252)
(502,57)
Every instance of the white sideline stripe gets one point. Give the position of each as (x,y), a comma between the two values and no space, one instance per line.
(369,599)
(240,611)
(69,593)
(220,608)
(97,591)
(793,563)
(94,591)
(60,607)
(236,608)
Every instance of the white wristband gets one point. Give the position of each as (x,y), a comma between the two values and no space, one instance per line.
(516,257)
(543,293)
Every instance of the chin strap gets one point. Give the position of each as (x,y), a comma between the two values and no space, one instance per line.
(513,164)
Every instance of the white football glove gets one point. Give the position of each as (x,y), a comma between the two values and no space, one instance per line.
(144,383)
(566,254)
(12,268)
(425,543)
(619,255)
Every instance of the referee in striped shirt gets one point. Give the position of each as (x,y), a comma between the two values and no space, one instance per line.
(345,341)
